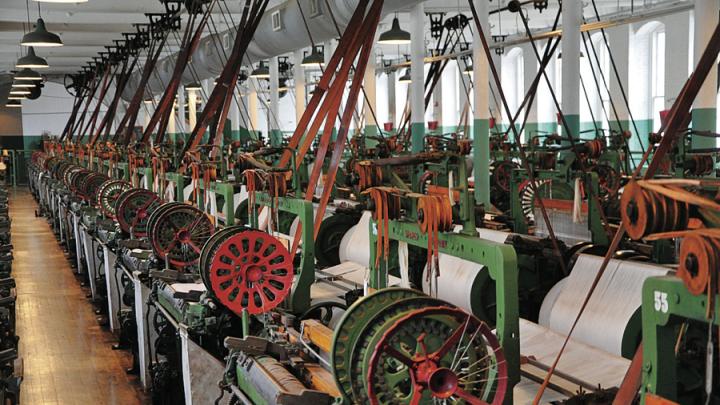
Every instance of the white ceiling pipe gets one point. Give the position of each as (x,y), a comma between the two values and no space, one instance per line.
(208,60)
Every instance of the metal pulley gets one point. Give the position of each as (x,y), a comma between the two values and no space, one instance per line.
(177,233)
(108,194)
(246,269)
(699,261)
(645,211)
(133,210)
(399,346)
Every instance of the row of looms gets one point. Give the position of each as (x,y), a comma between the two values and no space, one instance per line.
(409,266)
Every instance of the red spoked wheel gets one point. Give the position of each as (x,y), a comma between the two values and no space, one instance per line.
(133,209)
(435,354)
(250,270)
(89,188)
(178,234)
(75,177)
(108,194)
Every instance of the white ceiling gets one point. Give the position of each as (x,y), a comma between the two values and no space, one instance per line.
(86,27)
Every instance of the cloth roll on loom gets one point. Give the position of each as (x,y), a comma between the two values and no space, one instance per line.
(461,281)
(355,245)
(611,320)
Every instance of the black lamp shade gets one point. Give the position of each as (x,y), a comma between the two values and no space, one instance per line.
(395,36)
(32,61)
(314,59)
(28,74)
(40,36)
(262,72)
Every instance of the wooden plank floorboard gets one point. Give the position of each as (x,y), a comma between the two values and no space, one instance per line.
(67,356)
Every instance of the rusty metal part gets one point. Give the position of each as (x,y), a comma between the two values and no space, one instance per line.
(645,212)
(699,259)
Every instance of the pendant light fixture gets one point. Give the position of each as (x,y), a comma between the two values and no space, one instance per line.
(468,70)
(316,58)
(16,97)
(13,104)
(19,91)
(406,78)
(262,72)
(395,35)
(31,61)
(19,84)
(41,37)
(28,74)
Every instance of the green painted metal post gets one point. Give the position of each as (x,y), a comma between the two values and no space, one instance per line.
(666,302)
(501,261)
(481,159)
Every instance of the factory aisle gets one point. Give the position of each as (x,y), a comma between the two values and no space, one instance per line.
(67,357)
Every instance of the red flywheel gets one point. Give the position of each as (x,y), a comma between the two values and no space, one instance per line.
(250,270)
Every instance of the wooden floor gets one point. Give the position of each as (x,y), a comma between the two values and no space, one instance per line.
(67,357)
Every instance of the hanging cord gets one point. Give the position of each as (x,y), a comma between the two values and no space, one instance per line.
(231,24)
(90,127)
(586,39)
(521,149)
(677,119)
(220,49)
(619,81)
(452,39)
(589,104)
(566,127)
(354,68)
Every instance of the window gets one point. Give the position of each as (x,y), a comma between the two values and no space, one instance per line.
(657,84)
(277,24)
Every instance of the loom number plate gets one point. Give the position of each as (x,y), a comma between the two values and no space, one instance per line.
(661,301)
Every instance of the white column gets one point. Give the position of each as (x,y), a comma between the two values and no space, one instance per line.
(449,100)
(417,87)
(481,132)
(253,104)
(677,53)
(235,117)
(192,110)
(705,106)
(495,106)
(465,83)
(172,128)
(274,116)
(571,21)
(392,113)
(299,77)
(181,108)
(530,69)
(370,88)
